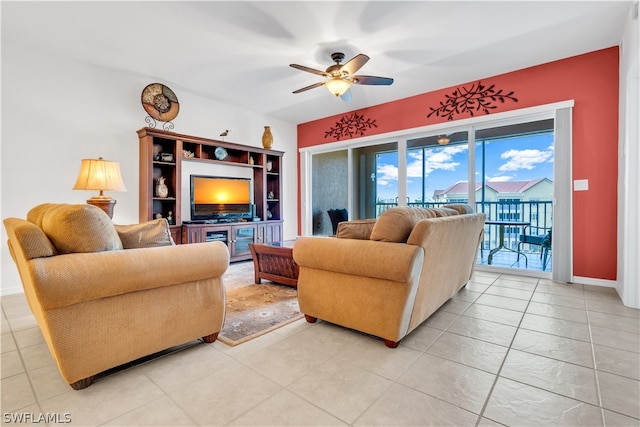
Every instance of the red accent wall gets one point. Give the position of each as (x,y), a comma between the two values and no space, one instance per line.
(591,80)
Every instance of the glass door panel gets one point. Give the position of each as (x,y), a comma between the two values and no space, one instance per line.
(375,179)
(514,187)
(329,188)
(438,170)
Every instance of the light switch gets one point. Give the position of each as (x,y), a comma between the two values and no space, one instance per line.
(580,185)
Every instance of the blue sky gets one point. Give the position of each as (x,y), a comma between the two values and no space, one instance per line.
(509,159)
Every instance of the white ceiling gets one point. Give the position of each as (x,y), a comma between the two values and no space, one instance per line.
(239,52)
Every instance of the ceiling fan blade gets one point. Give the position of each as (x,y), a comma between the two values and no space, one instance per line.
(346,96)
(371,80)
(355,63)
(315,85)
(309,70)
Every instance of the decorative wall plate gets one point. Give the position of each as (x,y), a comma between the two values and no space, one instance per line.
(160,102)
(220,153)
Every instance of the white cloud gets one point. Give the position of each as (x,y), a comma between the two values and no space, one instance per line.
(440,158)
(523,159)
(503,178)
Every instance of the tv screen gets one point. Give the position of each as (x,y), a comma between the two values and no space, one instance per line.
(216,197)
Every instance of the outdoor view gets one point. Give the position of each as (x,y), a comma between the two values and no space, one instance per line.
(513,175)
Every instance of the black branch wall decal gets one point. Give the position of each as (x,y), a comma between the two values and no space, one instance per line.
(350,126)
(479,98)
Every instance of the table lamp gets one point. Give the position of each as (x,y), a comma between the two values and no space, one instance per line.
(102,175)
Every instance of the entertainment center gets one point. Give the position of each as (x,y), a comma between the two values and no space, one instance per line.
(254,216)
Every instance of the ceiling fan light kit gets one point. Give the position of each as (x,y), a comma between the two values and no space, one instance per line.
(341,76)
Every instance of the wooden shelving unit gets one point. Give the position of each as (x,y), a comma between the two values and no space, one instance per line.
(162,154)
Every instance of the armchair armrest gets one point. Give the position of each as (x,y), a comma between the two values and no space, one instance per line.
(367,258)
(69,279)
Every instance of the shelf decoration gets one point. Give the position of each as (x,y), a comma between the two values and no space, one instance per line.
(467,101)
(350,126)
(267,138)
(161,104)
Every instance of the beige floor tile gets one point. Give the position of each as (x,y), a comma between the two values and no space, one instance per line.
(560,300)
(221,397)
(457,384)
(327,339)
(28,337)
(505,282)
(509,292)
(47,382)
(11,364)
(564,289)
(105,399)
(502,302)
(441,320)
(37,356)
(516,404)
(485,422)
(4,324)
(611,307)
(620,394)
(484,330)
(576,382)
(21,323)
(341,389)
(469,351)
(293,328)
(16,393)
(15,305)
(607,320)
(466,295)
(8,343)
(518,278)
(286,409)
(160,412)
(455,306)
(619,362)
(287,361)
(421,338)
(614,338)
(481,279)
(613,419)
(412,408)
(477,287)
(558,312)
(184,367)
(554,347)
(563,328)
(494,314)
(379,359)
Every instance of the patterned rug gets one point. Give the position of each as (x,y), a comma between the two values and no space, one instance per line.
(254,310)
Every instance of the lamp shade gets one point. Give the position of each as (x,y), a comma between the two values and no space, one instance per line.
(99,174)
(338,86)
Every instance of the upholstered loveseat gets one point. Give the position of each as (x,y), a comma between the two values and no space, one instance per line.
(104,295)
(385,277)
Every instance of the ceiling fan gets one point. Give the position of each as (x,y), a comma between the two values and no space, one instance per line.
(341,76)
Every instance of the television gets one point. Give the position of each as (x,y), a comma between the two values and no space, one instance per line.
(220,198)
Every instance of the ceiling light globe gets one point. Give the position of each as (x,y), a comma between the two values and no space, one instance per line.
(338,86)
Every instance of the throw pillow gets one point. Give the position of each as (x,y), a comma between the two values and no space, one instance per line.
(146,235)
(395,224)
(359,229)
(78,228)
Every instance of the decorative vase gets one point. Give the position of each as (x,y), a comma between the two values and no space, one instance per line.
(162,190)
(267,138)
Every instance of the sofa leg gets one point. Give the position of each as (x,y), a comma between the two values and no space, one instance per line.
(210,338)
(391,344)
(84,383)
(310,319)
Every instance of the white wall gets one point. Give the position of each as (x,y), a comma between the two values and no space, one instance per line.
(628,283)
(57,111)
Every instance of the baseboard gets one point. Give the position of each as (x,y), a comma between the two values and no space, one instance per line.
(595,282)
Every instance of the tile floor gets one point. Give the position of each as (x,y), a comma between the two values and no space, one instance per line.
(506,350)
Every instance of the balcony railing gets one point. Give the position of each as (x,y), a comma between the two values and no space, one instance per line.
(537,213)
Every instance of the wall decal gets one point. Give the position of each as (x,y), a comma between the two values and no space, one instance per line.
(349,126)
(478,98)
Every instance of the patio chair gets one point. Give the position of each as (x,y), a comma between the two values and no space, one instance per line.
(537,236)
(337,216)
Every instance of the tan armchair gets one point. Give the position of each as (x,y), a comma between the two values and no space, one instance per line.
(105,295)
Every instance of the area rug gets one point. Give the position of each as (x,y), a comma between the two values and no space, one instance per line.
(252,309)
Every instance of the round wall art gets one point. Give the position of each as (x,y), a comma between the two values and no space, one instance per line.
(160,102)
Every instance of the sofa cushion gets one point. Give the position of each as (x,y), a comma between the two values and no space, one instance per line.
(359,229)
(76,228)
(146,235)
(443,211)
(461,208)
(395,224)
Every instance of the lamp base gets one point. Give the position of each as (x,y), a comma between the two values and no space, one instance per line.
(104,203)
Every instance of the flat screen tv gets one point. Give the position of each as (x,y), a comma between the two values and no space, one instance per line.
(217,197)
